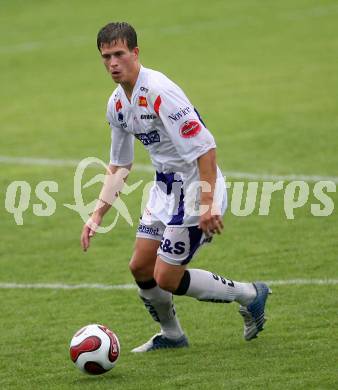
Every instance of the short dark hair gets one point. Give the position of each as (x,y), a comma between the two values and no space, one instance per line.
(115,31)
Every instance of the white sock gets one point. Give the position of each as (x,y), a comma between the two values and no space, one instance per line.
(206,286)
(161,307)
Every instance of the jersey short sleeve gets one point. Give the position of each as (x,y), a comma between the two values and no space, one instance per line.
(182,123)
(122,145)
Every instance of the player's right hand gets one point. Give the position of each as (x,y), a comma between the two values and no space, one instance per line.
(89,229)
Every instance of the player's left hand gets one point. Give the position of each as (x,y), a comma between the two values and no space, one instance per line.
(211,223)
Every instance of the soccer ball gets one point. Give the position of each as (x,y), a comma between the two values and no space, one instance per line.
(94,349)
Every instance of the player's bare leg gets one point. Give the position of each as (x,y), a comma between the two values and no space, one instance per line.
(158,302)
(143,260)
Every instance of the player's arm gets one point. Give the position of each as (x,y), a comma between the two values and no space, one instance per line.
(121,158)
(114,180)
(210,219)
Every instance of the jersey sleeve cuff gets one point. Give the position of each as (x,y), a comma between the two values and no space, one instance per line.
(198,153)
(120,164)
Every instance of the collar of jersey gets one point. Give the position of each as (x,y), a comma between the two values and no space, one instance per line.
(136,86)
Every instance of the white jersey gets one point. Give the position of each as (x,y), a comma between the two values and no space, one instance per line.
(161,117)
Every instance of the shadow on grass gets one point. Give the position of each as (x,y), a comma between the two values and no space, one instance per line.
(108,377)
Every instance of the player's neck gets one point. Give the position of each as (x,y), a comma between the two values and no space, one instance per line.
(128,87)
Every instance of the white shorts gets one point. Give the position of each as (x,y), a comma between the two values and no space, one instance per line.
(178,244)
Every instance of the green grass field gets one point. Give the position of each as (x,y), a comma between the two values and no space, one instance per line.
(264,77)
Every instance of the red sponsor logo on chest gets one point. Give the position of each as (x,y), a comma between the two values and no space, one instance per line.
(118,106)
(142,101)
(190,129)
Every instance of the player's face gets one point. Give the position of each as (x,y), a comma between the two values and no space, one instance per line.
(120,62)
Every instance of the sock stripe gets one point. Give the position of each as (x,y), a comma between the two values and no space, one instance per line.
(147,285)
(184,284)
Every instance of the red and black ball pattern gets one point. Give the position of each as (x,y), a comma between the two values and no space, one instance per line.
(114,349)
(92,343)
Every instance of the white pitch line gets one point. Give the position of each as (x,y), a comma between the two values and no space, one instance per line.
(87,40)
(274,177)
(148,168)
(38,161)
(62,286)
(302,282)
(98,286)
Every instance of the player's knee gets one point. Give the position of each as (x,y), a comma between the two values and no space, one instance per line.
(166,283)
(135,267)
(141,270)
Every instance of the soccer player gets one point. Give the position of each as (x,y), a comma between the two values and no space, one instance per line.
(187,201)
